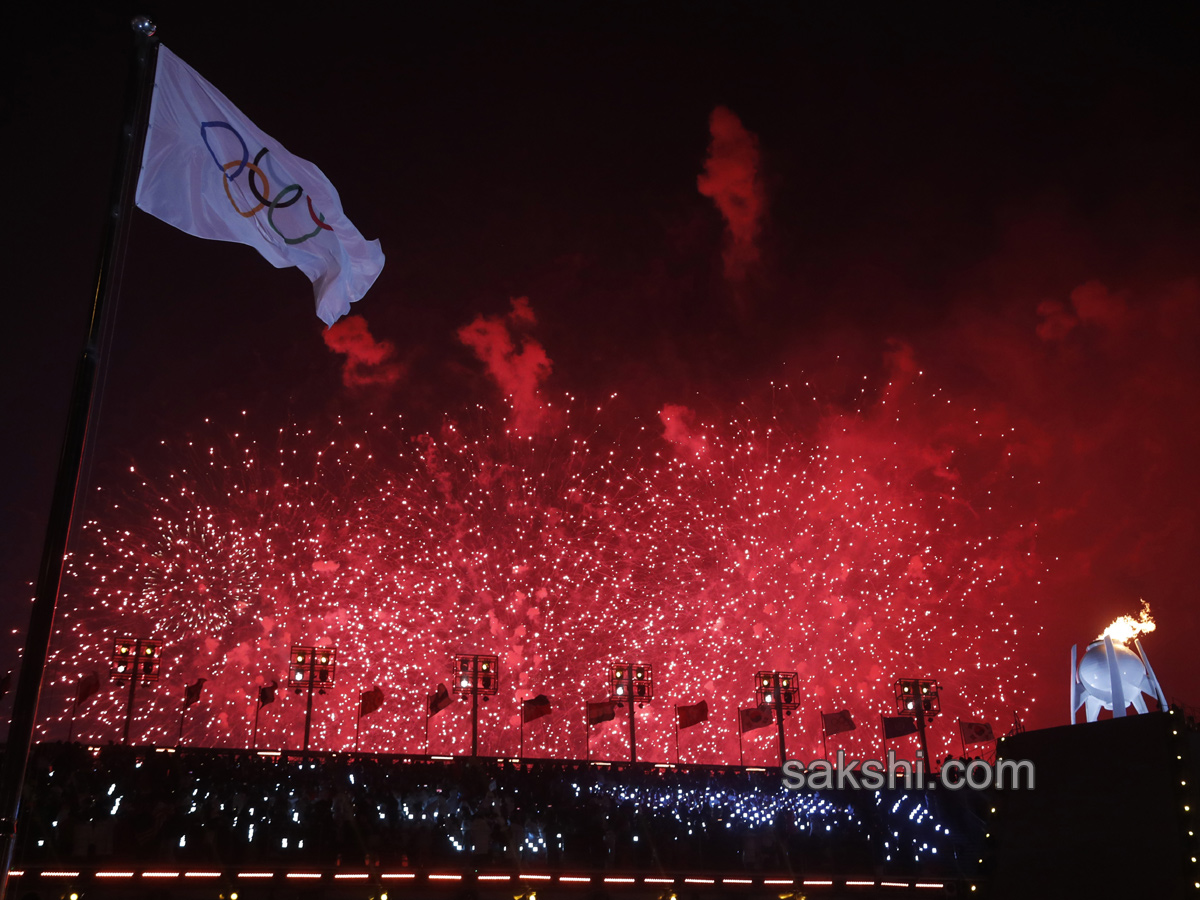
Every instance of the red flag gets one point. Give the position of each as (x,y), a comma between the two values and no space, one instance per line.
(898,726)
(535,708)
(369,701)
(266,693)
(976,732)
(193,692)
(601,711)
(755,717)
(687,716)
(88,685)
(838,722)
(438,700)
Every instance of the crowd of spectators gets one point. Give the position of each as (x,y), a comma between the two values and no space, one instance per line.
(139,805)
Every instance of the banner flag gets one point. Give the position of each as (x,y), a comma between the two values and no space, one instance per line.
(755,717)
(687,716)
(88,685)
(438,701)
(976,732)
(535,708)
(601,711)
(898,726)
(837,722)
(210,171)
(370,701)
(193,692)
(266,693)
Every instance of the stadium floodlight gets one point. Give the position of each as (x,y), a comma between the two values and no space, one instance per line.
(479,676)
(311,669)
(632,682)
(135,660)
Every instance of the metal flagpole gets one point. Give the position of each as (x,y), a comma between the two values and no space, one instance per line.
(677,734)
(75,440)
(741,750)
(824,748)
(961,739)
(587,733)
(254,737)
(521,751)
(358,725)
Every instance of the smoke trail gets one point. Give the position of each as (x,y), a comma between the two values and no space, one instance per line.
(731,180)
(368,361)
(516,362)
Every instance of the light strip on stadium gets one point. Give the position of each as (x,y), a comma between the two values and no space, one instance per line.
(160,874)
(699,881)
(345,877)
(815,883)
(736,881)
(535,877)
(398,875)
(929,885)
(860,884)
(893,884)
(494,877)
(660,881)
(445,878)
(441,757)
(58,874)
(778,881)
(620,880)
(255,874)
(15,873)
(201,874)
(113,874)
(303,874)
(574,878)
(270,753)
(755,769)
(664,765)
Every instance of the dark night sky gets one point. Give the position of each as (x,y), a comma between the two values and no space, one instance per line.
(930,178)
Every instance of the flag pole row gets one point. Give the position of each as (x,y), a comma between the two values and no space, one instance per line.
(596,712)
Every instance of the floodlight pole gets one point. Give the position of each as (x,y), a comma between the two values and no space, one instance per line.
(133,680)
(312,678)
(777,694)
(474,706)
(632,716)
(924,742)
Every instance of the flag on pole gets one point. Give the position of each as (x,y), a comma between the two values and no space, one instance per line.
(266,693)
(370,701)
(88,685)
(755,717)
(438,700)
(601,711)
(687,716)
(192,694)
(209,171)
(535,708)
(898,726)
(837,722)
(975,732)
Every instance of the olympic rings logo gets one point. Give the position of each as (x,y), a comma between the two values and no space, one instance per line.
(282,200)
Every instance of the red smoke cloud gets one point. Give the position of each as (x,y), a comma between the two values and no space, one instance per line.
(517,362)
(679,428)
(731,180)
(368,361)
